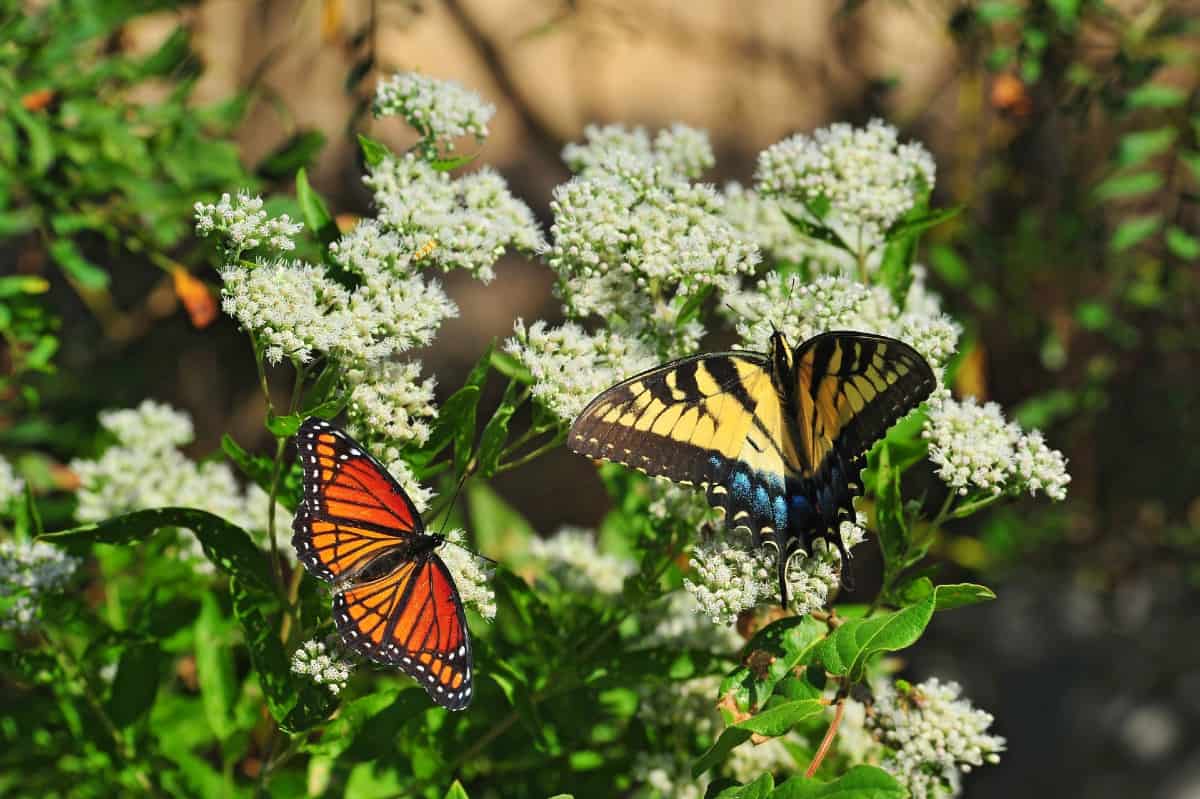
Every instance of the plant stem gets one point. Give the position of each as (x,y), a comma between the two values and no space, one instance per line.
(280,445)
(122,747)
(944,511)
(964,511)
(827,741)
(534,454)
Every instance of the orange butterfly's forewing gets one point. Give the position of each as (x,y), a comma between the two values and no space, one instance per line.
(351,515)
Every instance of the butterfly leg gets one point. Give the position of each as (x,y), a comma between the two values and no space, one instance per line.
(785,557)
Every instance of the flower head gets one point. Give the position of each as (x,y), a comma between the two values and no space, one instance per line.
(730,575)
(28,572)
(144,468)
(243,225)
(471,220)
(472,575)
(11,486)
(571,556)
(314,660)
(440,110)
(863,178)
(934,736)
(1040,468)
(570,366)
(680,150)
(972,445)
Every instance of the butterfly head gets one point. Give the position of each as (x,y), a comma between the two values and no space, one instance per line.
(780,354)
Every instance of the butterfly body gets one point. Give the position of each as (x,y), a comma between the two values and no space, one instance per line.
(776,440)
(395,601)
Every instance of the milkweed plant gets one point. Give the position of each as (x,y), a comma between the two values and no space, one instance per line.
(186,652)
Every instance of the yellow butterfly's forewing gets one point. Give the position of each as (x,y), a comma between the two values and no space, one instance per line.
(671,421)
(850,388)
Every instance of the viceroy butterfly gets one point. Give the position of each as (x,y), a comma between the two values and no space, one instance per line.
(396,602)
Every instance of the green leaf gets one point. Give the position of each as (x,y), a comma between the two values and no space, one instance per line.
(1133,231)
(1137,147)
(510,367)
(258,468)
(949,265)
(1155,96)
(761,788)
(298,152)
(316,213)
(913,223)
(1182,244)
(226,545)
(456,423)
(23,284)
(860,782)
(960,595)
(499,529)
(790,642)
(78,268)
(451,163)
(846,651)
(215,668)
(777,720)
(1121,187)
(495,432)
(815,230)
(135,684)
(40,141)
(456,791)
(353,716)
(729,739)
(284,426)
(374,152)
(691,308)
(894,539)
(173,53)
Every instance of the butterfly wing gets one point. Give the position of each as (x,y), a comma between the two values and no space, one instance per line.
(352,510)
(850,388)
(711,420)
(412,618)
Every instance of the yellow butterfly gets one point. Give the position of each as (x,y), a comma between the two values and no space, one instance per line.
(778,441)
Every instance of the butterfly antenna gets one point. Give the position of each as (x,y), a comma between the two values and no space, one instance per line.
(453,500)
(787,306)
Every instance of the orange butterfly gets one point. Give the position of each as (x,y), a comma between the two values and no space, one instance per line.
(396,602)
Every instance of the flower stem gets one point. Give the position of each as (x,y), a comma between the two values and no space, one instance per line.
(280,445)
(827,741)
(963,511)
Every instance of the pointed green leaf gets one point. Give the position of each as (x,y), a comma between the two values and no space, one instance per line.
(509,366)
(456,791)
(135,684)
(495,432)
(1136,147)
(1122,187)
(1134,230)
(1156,96)
(451,163)
(215,668)
(781,718)
(1182,244)
(860,782)
(227,546)
(374,152)
(316,212)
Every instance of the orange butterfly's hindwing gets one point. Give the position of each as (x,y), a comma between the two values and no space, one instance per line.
(412,619)
(397,604)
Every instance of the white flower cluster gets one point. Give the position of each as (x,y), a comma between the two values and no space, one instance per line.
(973,445)
(394,404)
(935,736)
(313,660)
(472,575)
(291,308)
(664,775)
(801,311)
(679,623)
(678,150)
(145,469)
(865,177)
(440,110)
(470,220)
(243,225)
(572,557)
(11,486)
(28,571)
(634,239)
(570,366)
(730,575)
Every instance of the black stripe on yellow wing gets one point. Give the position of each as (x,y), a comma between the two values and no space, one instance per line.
(670,421)
(850,388)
